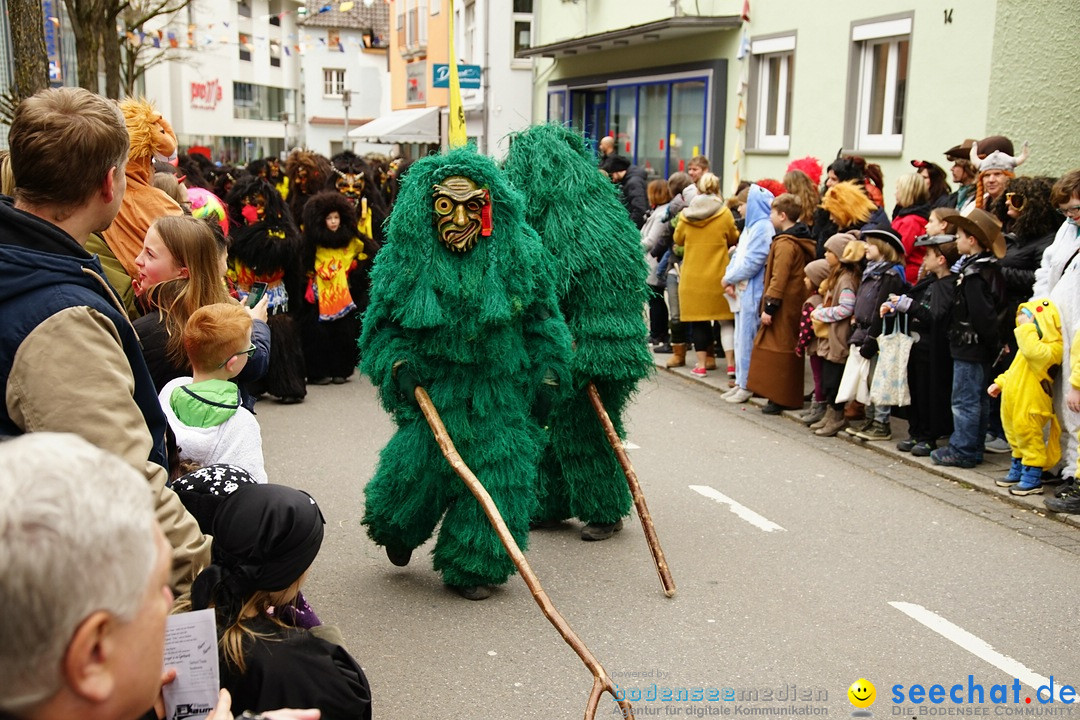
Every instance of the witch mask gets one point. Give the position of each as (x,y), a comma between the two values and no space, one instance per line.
(462,212)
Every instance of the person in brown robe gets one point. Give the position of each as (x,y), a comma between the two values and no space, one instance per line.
(776,372)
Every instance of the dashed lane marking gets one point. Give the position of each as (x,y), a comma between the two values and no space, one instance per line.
(977,647)
(762,523)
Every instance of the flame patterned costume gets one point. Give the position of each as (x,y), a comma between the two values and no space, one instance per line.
(461,300)
(337,263)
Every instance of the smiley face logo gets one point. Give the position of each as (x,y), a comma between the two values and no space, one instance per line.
(862,693)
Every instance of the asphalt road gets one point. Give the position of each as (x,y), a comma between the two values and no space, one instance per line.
(800,561)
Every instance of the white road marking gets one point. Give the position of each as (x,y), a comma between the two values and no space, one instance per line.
(739,509)
(977,647)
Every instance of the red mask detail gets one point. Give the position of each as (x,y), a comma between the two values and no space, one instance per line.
(485,215)
(251,214)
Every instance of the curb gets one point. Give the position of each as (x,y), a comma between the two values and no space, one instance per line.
(981,479)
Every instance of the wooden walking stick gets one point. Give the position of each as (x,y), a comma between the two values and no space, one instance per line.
(635,490)
(601,681)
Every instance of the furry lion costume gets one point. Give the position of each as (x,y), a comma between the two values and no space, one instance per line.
(151,134)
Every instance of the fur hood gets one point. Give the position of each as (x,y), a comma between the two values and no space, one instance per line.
(703,207)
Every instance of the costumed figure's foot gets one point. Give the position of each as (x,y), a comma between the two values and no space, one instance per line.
(292,400)
(338,380)
(549,524)
(596,531)
(471,592)
(318,381)
(398,555)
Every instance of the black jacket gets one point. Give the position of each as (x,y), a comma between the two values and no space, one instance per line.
(873,291)
(634,194)
(978,299)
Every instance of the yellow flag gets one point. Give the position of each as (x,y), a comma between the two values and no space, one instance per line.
(346,6)
(456,120)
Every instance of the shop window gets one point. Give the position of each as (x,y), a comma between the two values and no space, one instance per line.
(333,83)
(880,51)
(687,133)
(769,111)
(653,137)
(622,114)
(556,107)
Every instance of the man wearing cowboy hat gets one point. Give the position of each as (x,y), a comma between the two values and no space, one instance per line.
(973,334)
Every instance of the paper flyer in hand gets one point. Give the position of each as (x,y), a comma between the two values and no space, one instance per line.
(191,648)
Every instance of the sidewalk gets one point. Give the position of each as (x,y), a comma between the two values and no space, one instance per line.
(980,478)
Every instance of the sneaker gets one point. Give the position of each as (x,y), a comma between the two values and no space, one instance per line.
(906,445)
(1024,488)
(662,349)
(947,457)
(731,371)
(740,395)
(923,449)
(1066,500)
(857,426)
(699,371)
(997,445)
(876,431)
(1014,474)
(598,531)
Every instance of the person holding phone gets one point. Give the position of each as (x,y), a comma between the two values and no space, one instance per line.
(181,269)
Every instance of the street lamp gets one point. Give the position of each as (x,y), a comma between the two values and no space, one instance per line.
(346,98)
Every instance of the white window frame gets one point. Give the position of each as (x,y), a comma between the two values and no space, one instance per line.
(515,18)
(865,39)
(333,82)
(764,51)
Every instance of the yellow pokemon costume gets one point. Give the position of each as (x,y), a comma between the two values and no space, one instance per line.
(1026,391)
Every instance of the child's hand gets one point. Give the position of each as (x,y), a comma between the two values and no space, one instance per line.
(766,319)
(885,309)
(1022,318)
(259,311)
(729,290)
(1072,399)
(994,390)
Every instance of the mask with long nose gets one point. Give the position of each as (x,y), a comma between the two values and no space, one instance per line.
(462,212)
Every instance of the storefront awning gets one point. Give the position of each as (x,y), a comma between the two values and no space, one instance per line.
(666,29)
(417,125)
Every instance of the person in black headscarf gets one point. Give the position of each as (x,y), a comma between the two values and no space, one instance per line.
(265,539)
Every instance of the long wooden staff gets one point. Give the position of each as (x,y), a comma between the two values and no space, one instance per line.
(601,682)
(635,490)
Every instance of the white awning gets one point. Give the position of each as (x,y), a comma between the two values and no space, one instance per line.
(417,125)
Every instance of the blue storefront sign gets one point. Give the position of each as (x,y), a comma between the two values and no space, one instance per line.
(468,76)
(52,43)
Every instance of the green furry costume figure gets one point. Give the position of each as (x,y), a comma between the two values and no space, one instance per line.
(600,281)
(462,304)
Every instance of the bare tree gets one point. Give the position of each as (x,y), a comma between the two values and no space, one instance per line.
(27,22)
(139,56)
(87,20)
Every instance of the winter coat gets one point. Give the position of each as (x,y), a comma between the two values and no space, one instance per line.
(910,223)
(1022,258)
(634,194)
(653,234)
(211,426)
(748,262)
(876,286)
(836,314)
(980,295)
(71,362)
(706,229)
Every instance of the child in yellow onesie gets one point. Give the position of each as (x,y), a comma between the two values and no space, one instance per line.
(1026,392)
